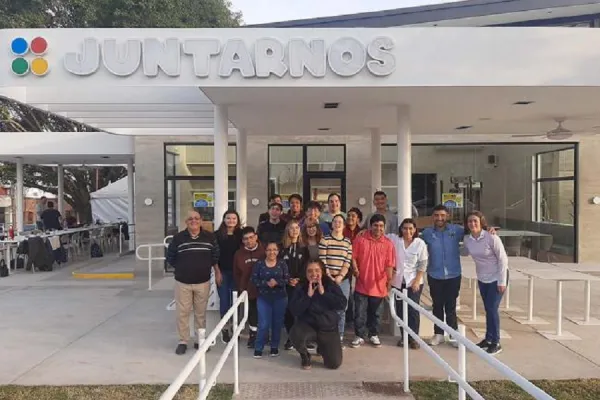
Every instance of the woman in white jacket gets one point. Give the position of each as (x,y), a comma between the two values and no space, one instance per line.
(411,264)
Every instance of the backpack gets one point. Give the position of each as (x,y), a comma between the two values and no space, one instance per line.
(3,269)
(95,251)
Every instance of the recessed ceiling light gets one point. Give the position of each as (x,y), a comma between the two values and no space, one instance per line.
(463,127)
(324,129)
(331,105)
(523,103)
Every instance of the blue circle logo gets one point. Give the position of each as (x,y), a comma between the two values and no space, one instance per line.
(19,46)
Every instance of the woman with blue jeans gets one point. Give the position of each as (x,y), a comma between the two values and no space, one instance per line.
(335,250)
(229,239)
(491,265)
(270,277)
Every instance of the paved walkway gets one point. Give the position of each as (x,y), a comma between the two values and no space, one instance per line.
(58,331)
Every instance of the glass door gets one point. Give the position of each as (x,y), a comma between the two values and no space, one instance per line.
(320,187)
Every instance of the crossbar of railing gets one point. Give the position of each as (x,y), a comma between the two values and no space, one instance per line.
(149,258)
(199,359)
(519,380)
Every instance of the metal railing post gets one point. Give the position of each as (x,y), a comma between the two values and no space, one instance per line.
(202,363)
(462,363)
(405,340)
(120,240)
(236,353)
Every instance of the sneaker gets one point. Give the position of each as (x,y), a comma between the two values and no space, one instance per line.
(414,345)
(400,343)
(453,342)
(494,349)
(305,361)
(437,339)
(312,348)
(251,340)
(288,345)
(181,349)
(357,342)
(225,336)
(342,342)
(484,344)
(375,341)
(274,352)
(257,354)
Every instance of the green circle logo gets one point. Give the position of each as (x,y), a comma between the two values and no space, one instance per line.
(20,66)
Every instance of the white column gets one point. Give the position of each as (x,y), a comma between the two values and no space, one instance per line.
(221,165)
(404,164)
(375,161)
(61,190)
(19,197)
(241,179)
(131,205)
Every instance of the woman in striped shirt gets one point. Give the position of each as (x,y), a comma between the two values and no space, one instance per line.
(335,250)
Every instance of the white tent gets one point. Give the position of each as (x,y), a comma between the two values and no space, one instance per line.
(110,204)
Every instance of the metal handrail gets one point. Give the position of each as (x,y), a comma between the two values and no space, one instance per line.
(199,359)
(149,258)
(460,377)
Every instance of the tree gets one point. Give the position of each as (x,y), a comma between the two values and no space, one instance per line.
(31,14)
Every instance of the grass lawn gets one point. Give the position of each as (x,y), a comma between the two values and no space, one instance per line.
(131,392)
(501,390)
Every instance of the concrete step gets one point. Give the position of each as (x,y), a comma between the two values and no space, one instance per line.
(321,390)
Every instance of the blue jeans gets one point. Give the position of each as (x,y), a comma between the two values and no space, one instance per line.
(225,292)
(414,317)
(367,315)
(345,286)
(271,313)
(491,301)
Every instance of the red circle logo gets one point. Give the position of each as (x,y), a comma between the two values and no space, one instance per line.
(39,46)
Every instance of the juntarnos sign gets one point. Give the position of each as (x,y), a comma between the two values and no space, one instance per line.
(344,57)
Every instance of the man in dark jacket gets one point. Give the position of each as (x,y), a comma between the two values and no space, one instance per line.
(194,253)
(315,304)
(275,198)
(272,230)
(243,262)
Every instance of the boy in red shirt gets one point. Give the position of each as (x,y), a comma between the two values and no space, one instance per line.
(375,259)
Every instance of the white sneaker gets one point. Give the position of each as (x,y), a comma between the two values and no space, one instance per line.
(342,342)
(453,342)
(357,342)
(375,341)
(437,340)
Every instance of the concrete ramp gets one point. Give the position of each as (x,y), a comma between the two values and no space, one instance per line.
(321,390)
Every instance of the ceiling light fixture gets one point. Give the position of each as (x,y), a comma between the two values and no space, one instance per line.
(331,105)
(523,103)
(324,129)
(463,127)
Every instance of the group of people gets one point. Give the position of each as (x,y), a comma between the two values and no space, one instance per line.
(302,270)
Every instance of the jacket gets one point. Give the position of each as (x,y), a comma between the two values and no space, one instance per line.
(228,245)
(243,263)
(261,275)
(193,258)
(296,258)
(444,251)
(318,311)
(269,232)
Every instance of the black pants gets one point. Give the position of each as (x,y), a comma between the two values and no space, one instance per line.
(288,320)
(328,343)
(252,315)
(414,317)
(444,293)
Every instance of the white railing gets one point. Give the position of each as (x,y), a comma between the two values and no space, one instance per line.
(199,359)
(463,343)
(150,258)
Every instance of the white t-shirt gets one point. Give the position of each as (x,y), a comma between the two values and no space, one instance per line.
(408,259)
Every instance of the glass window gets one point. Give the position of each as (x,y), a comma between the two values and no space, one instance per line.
(285,170)
(497,180)
(325,158)
(196,160)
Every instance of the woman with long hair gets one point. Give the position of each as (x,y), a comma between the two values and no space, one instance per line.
(311,237)
(270,277)
(316,303)
(229,238)
(295,255)
(335,251)
(491,266)
(411,264)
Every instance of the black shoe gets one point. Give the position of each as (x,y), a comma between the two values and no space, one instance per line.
(306,363)
(225,336)
(197,346)
(484,344)
(274,352)
(494,349)
(181,349)
(400,343)
(257,354)
(251,341)
(288,345)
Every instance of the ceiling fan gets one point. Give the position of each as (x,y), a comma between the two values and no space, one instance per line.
(558,133)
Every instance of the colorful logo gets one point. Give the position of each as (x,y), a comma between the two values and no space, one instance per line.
(21,66)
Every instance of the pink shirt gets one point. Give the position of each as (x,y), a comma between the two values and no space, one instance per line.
(373,257)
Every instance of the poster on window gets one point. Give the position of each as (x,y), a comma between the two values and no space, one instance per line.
(204,199)
(452,200)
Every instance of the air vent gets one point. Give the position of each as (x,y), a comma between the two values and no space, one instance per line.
(463,127)
(523,103)
(331,105)
(324,129)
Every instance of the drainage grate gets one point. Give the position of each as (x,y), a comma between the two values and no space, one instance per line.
(320,390)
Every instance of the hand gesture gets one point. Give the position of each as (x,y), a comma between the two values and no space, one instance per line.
(293,282)
(311,289)
(321,288)
(272,283)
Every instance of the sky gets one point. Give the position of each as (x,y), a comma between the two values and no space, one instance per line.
(261,11)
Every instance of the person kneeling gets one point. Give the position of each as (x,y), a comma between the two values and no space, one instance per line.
(316,304)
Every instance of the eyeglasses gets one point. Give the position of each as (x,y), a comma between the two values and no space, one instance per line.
(193,219)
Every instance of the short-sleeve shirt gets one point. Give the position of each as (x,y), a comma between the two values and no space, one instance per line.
(51,219)
(407,260)
(374,257)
